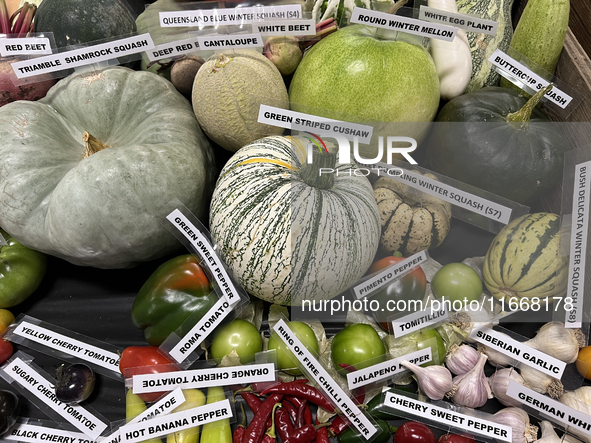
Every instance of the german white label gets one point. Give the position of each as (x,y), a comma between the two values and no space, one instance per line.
(36,433)
(452,195)
(553,409)
(25,46)
(234,16)
(387,369)
(172,49)
(449,417)
(68,345)
(203,378)
(177,421)
(403,24)
(512,69)
(387,276)
(83,56)
(44,390)
(285,27)
(462,21)
(519,351)
(284,118)
(417,320)
(230,41)
(331,388)
(164,406)
(578,244)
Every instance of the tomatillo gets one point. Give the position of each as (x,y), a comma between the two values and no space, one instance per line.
(457,282)
(239,335)
(357,346)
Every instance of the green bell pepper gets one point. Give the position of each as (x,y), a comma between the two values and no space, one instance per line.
(21,271)
(177,290)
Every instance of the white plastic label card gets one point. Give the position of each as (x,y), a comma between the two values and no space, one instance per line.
(514,69)
(284,118)
(172,49)
(578,244)
(68,345)
(389,274)
(519,351)
(285,27)
(41,388)
(36,434)
(83,56)
(449,417)
(203,378)
(230,16)
(25,46)
(466,22)
(559,412)
(164,406)
(386,369)
(177,421)
(325,382)
(418,320)
(230,41)
(404,24)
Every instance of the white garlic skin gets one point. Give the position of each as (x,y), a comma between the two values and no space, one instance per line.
(518,420)
(434,381)
(471,389)
(541,382)
(557,341)
(499,382)
(461,359)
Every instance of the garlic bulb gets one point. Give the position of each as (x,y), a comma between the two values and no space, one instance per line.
(549,435)
(499,382)
(471,389)
(495,358)
(518,420)
(559,342)
(541,382)
(461,359)
(579,399)
(434,381)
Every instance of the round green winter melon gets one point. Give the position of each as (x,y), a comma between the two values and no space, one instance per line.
(227,93)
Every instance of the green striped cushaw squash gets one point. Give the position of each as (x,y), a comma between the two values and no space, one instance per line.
(482,46)
(524,260)
(286,233)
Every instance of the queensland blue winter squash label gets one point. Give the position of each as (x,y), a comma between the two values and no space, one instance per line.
(34,433)
(25,46)
(230,41)
(462,21)
(529,80)
(83,56)
(403,24)
(285,27)
(578,244)
(172,49)
(230,16)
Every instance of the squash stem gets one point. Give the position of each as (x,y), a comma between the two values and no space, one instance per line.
(320,173)
(524,114)
(396,6)
(93,145)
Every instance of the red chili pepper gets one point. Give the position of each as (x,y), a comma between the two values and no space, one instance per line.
(253,402)
(305,434)
(304,391)
(291,410)
(338,425)
(322,435)
(308,415)
(270,436)
(241,429)
(300,415)
(256,428)
(359,393)
(283,423)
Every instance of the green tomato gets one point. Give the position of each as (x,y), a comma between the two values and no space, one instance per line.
(239,335)
(286,361)
(357,345)
(430,338)
(457,282)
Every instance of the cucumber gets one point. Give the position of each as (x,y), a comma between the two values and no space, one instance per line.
(540,33)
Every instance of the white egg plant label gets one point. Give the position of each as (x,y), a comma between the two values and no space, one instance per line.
(230,16)
(172,49)
(43,389)
(285,27)
(31,433)
(203,378)
(578,244)
(177,421)
(404,24)
(519,351)
(230,41)
(466,22)
(559,412)
(25,46)
(448,417)
(512,69)
(83,56)
(386,369)
(327,385)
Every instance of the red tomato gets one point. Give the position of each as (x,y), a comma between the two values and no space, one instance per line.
(414,432)
(5,350)
(456,438)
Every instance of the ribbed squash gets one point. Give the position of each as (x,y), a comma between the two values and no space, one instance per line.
(408,225)
(287,233)
(524,260)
